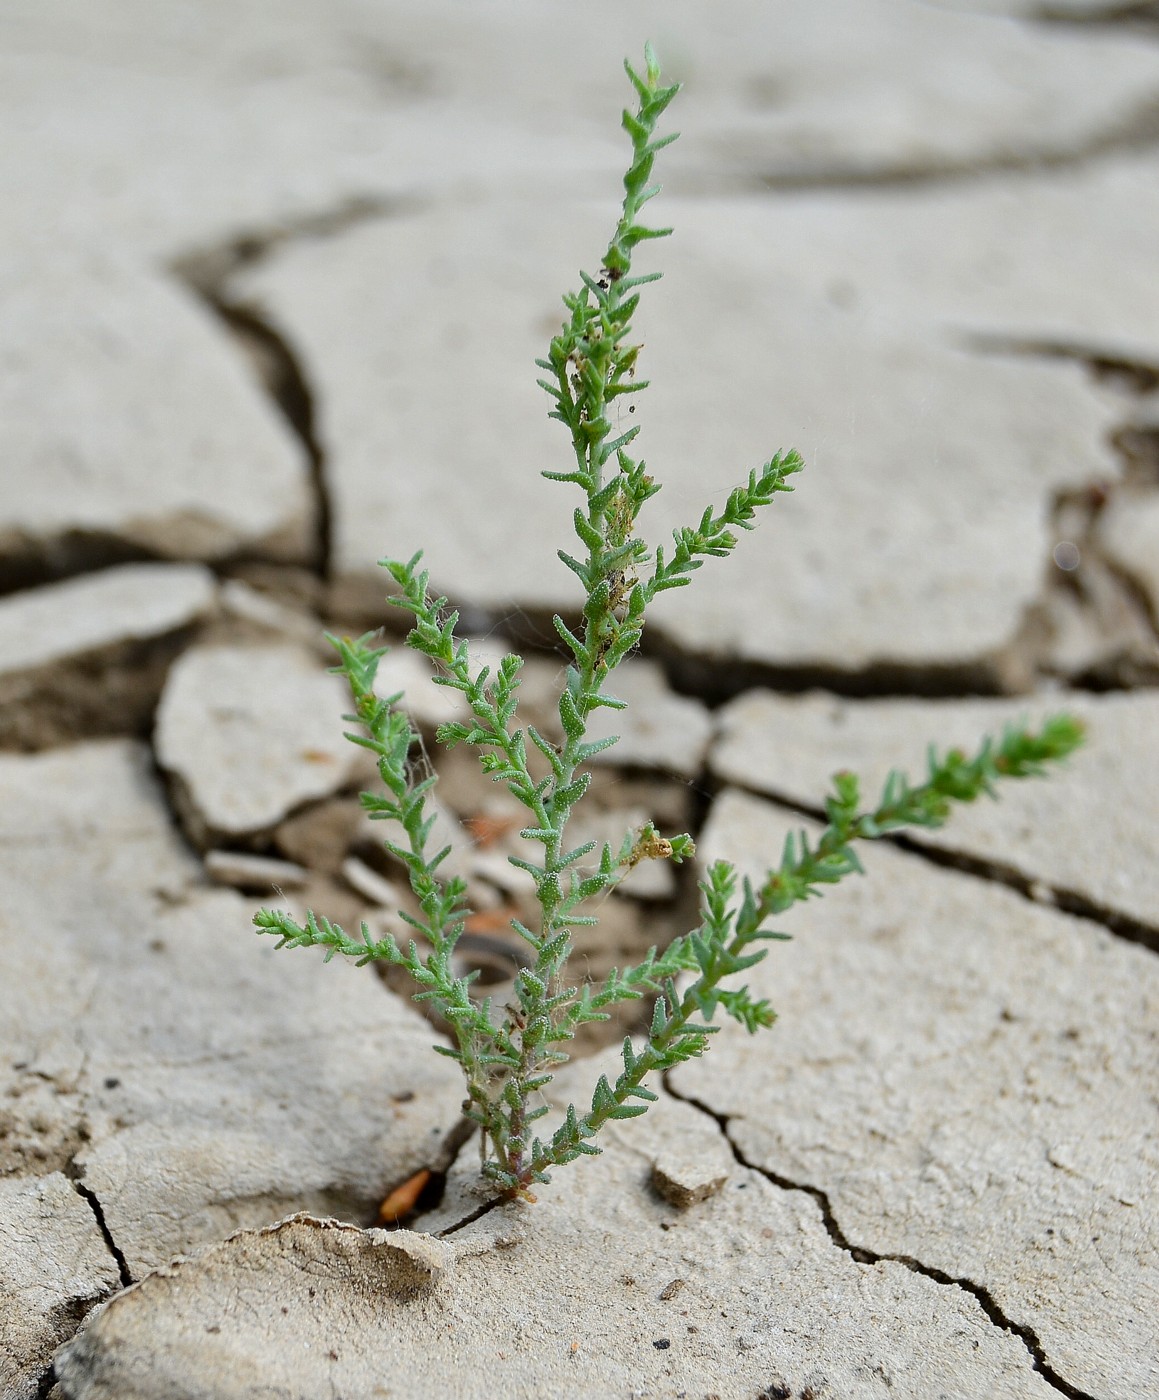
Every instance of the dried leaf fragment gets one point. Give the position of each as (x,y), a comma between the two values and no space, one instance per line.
(403,1199)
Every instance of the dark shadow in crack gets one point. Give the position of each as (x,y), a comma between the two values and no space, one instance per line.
(1137,132)
(75,1176)
(284,379)
(208,273)
(477,1214)
(1139,15)
(1136,377)
(46,1383)
(715,679)
(27,561)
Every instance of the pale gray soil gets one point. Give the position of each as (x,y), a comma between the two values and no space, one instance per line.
(273,281)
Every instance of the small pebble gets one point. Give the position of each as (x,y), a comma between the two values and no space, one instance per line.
(683,1181)
(246,872)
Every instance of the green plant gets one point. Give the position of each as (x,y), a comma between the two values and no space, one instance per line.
(508,1058)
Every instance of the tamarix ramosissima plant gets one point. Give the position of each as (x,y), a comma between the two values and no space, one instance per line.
(508,1056)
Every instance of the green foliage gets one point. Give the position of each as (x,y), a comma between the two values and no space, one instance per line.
(508,1060)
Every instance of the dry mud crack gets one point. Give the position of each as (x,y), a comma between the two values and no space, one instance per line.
(681,1296)
(270,283)
(867,1256)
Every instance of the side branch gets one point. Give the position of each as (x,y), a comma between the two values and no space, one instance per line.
(1018,753)
(714,537)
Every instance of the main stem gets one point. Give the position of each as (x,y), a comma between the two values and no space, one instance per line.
(589,432)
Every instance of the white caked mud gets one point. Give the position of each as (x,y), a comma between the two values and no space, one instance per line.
(274,279)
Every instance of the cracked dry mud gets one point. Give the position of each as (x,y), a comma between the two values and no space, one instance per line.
(274,280)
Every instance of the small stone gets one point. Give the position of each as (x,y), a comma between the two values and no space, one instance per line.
(249,734)
(264,616)
(248,872)
(691,1157)
(370,884)
(88,656)
(684,1179)
(320,835)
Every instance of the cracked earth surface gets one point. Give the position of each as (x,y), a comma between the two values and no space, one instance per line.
(274,282)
